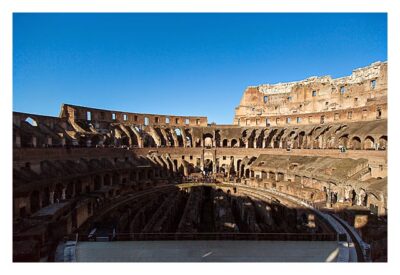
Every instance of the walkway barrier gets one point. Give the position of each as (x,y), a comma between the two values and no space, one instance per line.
(212,236)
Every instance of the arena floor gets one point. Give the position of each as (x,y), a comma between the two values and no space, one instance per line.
(207,251)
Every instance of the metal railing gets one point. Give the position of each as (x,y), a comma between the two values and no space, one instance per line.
(210,236)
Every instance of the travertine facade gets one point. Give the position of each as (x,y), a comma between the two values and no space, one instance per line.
(113,172)
(317,100)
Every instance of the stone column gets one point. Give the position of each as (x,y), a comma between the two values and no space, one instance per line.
(63,194)
(51,199)
(34,142)
(202,160)
(17,141)
(340,196)
(320,145)
(183,135)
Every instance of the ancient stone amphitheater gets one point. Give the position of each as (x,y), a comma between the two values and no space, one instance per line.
(303,162)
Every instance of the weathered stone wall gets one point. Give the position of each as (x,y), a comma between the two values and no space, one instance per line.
(73,112)
(317,100)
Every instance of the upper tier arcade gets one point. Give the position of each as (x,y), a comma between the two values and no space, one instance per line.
(73,112)
(362,96)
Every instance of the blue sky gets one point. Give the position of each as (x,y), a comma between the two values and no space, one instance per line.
(183,64)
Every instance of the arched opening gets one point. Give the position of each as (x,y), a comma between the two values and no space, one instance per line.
(208,166)
(300,140)
(222,169)
(34,201)
(238,165)
(353,197)
(107,180)
(268,143)
(97,183)
(58,193)
(69,191)
(88,115)
(343,141)
(197,142)
(234,143)
(46,197)
(247,173)
(217,138)
(369,143)
(225,143)
(272,176)
(378,113)
(259,140)
(250,139)
(365,200)
(31,121)
(382,143)
(356,143)
(208,140)
(78,187)
(125,141)
(96,140)
(330,143)
(188,138)
(115,179)
(178,134)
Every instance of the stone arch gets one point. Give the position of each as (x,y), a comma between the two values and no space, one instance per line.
(250,139)
(251,160)
(344,140)
(69,192)
(208,140)
(208,166)
(238,162)
(300,140)
(58,191)
(46,196)
(148,140)
(330,142)
(223,169)
(179,136)
(247,173)
(217,135)
(369,143)
(382,143)
(268,139)
(277,141)
(234,143)
(260,139)
(225,143)
(355,143)
(31,121)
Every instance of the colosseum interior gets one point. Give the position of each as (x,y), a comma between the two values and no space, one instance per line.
(303,163)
